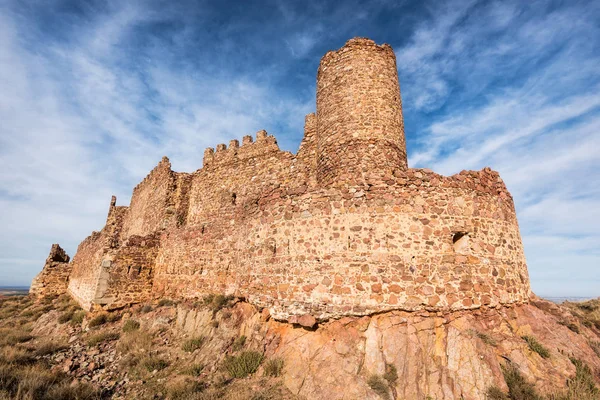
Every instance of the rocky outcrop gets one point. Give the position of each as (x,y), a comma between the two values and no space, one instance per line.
(54,278)
(446,356)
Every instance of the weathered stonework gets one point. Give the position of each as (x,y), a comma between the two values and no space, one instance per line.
(343,227)
(54,277)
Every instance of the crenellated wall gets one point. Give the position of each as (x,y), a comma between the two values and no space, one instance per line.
(341,228)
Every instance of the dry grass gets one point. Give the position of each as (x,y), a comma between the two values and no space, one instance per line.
(102,337)
(274,367)
(49,347)
(136,341)
(131,325)
(485,338)
(193,344)
(244,364)
(581,387)
(587,312)
(194,370)
(98,320)
(379,386)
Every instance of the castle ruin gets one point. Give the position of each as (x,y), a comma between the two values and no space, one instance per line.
(343,227)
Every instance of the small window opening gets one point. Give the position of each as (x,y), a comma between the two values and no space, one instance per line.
(233,198)
(460,241)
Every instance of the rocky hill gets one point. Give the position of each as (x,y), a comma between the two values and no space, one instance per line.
(224,348)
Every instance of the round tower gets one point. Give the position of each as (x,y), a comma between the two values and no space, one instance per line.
(359,114)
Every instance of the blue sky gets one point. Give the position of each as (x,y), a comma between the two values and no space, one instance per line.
(93,94)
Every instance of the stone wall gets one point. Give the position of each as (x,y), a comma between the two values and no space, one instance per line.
(54,277)
(427,242)
(341,228)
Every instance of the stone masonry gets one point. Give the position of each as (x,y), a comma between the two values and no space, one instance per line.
(54,277)
(343,227)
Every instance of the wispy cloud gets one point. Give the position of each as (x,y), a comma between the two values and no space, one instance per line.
(525,100)
(91,96)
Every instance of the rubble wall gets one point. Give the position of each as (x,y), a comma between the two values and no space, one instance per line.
(334,252)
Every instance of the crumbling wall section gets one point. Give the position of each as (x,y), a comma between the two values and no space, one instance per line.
(54,277)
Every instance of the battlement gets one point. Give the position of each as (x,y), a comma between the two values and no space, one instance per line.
(343,227)
(224,155)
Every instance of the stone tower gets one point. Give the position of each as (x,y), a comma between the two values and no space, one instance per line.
(359,115)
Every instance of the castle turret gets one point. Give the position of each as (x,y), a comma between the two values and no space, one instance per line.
(359,114)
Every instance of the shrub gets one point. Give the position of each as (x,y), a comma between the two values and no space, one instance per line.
(102,337)
(97,321)
(536,346)
(131,325)
(239,343)
(165,303)
(485,338)
(146,309)
(194,370)
(391,374)
(518,387)
(65,317)
(494,393)
(274,367)
(244,364)
(193,344)
(379,386)
(582,386)
(153,363)
(217,302)
(78,317)
(113,317)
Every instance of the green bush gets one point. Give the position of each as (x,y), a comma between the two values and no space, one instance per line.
(518,387)
(536,346)
(193,344)
(97,321)
(244,364)
(131,325)
(379,386)
(274,367)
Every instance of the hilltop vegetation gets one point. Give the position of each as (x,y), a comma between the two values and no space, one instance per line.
(222,348)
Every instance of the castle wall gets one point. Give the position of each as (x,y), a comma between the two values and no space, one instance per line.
(86,271)
(342,228)
(359,114)
(149,208)
(331,253)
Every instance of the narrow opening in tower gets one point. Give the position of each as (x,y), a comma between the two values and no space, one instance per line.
(233,198)
(460,242)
